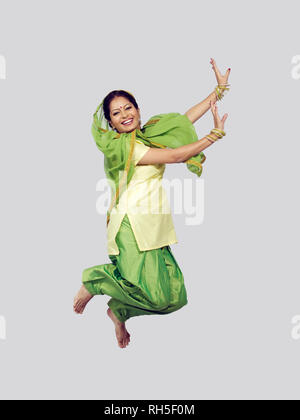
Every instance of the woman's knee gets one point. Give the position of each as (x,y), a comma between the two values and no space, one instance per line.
(86,274)
(180,301)
(93,273)
(173,305)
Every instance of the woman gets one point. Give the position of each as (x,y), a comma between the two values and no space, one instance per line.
(143,277)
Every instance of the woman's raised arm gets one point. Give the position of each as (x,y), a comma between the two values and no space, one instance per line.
(200,109)
(183,153)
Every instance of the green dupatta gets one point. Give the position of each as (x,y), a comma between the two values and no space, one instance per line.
(163,130)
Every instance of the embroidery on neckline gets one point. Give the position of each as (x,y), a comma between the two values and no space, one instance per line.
(154,121)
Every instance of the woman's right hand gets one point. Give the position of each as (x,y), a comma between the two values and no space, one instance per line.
(219,123)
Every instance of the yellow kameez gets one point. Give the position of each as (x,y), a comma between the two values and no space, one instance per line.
(146,204)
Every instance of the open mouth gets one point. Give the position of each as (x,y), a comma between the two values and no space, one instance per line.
(128,122)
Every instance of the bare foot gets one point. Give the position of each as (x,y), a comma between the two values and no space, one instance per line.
(81,300)
(122,334)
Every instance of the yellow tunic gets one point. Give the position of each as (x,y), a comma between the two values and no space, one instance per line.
(146,203)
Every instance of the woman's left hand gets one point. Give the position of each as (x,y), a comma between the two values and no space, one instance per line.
(221,79)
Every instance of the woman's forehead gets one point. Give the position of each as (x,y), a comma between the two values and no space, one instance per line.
(118,103)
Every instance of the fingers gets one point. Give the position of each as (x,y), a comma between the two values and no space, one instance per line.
(227,75)
(213,106)
(224,118)
(214,66)
(217,71)
(214,109)
(212,103)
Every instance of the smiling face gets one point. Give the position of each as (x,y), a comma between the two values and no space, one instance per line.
(122,110)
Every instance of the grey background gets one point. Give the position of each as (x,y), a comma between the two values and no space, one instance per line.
(233,339)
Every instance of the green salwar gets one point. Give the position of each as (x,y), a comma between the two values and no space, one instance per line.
(139,282)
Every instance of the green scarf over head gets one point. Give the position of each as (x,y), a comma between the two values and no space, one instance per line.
(170,130)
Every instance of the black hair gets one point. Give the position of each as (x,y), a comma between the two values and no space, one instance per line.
(115,94)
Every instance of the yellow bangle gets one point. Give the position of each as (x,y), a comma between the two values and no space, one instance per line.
(216,134)
(218,131)
(218,93)
(220,90)
(210,138)
(224,84)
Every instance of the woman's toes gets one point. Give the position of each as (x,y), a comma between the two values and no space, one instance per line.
(124,341)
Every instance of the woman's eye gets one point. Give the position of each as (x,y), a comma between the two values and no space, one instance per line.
(125,108)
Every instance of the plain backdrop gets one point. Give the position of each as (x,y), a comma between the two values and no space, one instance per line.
(233,339)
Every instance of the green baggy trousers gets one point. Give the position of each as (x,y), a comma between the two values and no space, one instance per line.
(139,282)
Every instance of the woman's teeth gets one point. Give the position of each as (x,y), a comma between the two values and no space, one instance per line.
(128,122)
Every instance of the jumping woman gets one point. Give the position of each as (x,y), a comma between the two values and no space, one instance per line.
(143,277)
